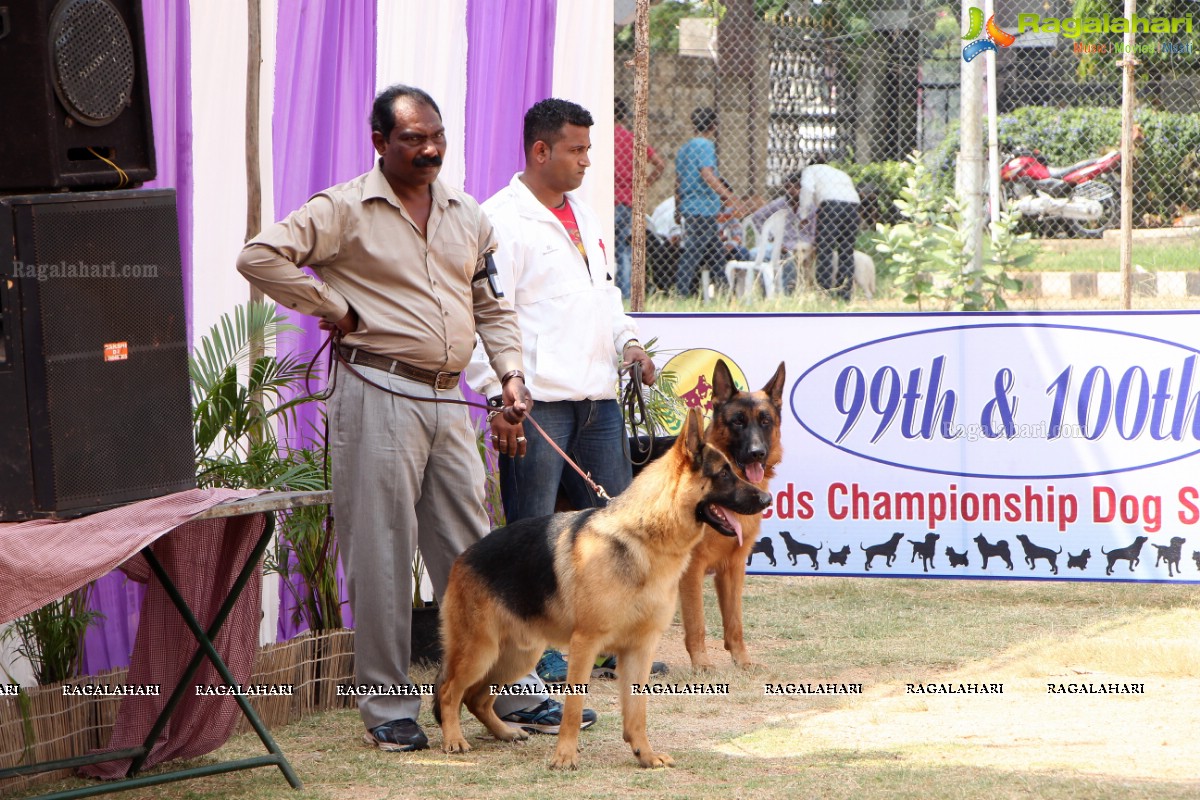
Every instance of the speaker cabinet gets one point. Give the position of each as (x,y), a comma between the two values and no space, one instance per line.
(75,95)
(95,405)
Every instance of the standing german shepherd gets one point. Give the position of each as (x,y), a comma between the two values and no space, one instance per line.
(745,427)
(600,580)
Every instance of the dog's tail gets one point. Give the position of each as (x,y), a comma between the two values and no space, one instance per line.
(437,691)
(1060,549)
(820,546)
(860,547)
(1102,550)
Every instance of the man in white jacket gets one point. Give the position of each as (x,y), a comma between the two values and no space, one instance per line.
(556,271)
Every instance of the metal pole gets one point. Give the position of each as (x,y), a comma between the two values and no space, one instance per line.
(993,168)
(1128,97)
(970,151)
(641,101)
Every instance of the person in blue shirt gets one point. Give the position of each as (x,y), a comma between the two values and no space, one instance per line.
(700,195)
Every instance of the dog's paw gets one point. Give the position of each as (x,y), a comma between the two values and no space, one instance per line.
(565,759)
(652,760)
(455,745)
(511,733)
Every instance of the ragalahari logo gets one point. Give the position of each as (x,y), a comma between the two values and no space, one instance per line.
(995,35)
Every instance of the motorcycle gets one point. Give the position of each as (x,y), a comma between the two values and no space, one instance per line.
(1079,195)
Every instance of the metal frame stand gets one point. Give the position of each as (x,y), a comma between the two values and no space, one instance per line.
(262,504)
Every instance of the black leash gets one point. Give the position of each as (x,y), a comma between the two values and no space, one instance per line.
(633,408)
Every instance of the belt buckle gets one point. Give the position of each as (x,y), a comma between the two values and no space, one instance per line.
(445,380)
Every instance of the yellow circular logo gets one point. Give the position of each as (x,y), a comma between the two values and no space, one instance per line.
(693,371)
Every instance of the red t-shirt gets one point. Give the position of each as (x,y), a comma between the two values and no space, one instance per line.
(567,217)
(623,166)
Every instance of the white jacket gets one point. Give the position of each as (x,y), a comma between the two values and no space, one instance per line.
(573,326)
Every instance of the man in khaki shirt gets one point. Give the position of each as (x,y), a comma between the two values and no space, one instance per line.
(398,255)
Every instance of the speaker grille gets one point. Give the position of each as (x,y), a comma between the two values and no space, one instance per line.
(93,59)
(118,429)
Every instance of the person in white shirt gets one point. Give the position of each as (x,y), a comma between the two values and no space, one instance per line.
(831,194)
(664,222)
(556,272)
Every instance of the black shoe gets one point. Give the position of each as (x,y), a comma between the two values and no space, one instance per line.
(546,718)
(397,736)
(606,668)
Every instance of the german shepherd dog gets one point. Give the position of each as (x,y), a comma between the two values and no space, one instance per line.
(745,427)
(599,580)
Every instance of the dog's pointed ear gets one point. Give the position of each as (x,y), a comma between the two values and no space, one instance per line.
(722,383)
(774,387)
(692,436)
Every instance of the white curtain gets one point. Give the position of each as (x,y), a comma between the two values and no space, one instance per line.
(583,73)
(219,157)
(424,44)
(219,43)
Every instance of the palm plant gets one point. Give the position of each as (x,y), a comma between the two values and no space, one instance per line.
(51,637)
(236,421)
(246,397)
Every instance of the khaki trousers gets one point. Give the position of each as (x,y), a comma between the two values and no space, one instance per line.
(406,476)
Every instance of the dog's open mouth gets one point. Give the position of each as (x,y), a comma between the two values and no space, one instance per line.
(724,521)
(755,471)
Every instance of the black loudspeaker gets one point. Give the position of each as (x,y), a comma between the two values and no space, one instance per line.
(74,92)
(95,405)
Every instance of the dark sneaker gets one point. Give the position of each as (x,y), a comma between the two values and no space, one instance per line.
(552,667)
(399,735)
(606,668)
(546,718)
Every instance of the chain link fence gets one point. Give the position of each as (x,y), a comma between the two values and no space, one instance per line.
(861,84)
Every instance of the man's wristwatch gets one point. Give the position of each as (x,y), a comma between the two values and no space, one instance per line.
(512,373)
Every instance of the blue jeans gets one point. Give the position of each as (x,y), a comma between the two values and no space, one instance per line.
(591,433)
(624,232)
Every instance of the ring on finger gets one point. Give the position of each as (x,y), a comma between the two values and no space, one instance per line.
(520,438)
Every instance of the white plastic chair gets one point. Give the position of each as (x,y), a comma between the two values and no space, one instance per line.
(772,235)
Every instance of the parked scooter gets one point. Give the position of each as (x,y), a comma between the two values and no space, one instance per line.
(1080,195)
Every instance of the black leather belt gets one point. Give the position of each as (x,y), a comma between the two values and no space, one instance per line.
(438,380)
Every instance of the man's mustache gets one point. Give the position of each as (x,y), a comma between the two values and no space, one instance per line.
(427,161)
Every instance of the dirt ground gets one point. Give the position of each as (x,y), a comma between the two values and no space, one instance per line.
(1153,736)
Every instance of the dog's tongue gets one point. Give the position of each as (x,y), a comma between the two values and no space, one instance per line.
(731,520)
(755,472)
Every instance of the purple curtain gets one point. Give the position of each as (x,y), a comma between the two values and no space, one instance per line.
(324,85)
(168,67)
(510,60)
(502,82)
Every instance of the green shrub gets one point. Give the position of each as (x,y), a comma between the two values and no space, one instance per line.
(879,184)
(928,256)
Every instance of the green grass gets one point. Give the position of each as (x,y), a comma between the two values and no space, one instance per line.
(1054,255)
(1061,255)
(878,632)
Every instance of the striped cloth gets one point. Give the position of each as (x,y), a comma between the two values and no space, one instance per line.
(43,560)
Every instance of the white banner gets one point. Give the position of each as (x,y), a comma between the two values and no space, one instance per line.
(1000,445)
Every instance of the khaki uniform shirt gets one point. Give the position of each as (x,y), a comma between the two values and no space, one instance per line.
(413,294)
